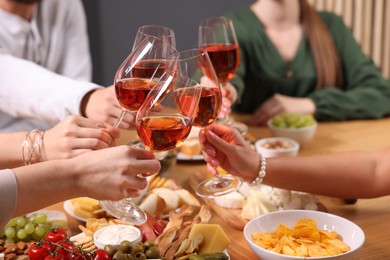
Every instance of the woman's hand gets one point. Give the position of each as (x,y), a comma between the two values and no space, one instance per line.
(224,146)
(114,173)
(75,135)
(278,104)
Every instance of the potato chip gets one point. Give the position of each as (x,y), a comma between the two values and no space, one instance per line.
(304,240)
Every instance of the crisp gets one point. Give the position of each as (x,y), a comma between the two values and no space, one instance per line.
(304,240)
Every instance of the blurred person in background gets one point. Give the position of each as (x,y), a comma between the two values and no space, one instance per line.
(295,59)
(45,67)
(367,172)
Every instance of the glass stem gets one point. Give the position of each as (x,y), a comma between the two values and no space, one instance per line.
(120,118)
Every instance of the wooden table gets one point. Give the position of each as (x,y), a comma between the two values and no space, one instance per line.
(372,215)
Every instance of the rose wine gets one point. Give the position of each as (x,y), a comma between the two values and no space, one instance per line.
(149,69)
(163,133)
(131,92)
(225,60)
(208,108)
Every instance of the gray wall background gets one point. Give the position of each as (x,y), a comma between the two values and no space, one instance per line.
(112,25)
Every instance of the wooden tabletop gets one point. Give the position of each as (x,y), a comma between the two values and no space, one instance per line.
(372,215)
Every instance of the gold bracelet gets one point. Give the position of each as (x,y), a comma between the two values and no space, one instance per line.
(262,172)
(32,146)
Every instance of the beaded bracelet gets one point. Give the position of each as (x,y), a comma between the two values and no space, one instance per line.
(262,172)
(32,146)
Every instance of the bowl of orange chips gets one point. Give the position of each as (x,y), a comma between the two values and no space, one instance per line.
(303,234)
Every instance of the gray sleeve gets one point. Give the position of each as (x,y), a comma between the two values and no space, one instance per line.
(8,196)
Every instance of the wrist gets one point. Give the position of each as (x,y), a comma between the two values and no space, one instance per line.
(261,173)
(84,103)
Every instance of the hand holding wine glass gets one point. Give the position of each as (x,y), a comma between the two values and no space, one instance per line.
(218,37)
(195,63)
(133,81)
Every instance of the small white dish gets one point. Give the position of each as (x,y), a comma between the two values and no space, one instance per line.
(69,208)
(277,146)
(115,234)
(301,135)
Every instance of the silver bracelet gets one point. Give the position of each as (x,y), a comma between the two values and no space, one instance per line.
(262,172)
(32,146)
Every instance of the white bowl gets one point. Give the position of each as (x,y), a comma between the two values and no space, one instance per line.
(115,234)
(301,135)
(277,146)
(351,233)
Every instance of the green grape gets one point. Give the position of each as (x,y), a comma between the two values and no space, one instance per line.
(39,231)
(11,223)
(9,232)
(293,120)
(21,221)
(40,218)
(29,227)
(9,240)
(22,234)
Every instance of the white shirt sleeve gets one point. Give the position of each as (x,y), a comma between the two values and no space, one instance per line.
(8,196)
(43,95)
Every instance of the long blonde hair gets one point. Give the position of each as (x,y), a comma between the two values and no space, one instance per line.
(326,58)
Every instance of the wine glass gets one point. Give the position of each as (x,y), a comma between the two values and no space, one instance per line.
(218,37)
(165,119)
(133,81)
(139,72)
(166,34)
(195,63)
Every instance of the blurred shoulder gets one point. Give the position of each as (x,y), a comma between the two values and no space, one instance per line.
(62,6)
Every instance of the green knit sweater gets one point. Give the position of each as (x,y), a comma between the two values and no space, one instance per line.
(262,73)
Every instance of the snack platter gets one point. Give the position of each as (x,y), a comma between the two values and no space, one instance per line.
(177,222)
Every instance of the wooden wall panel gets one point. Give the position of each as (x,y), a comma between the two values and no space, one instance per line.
(369,21)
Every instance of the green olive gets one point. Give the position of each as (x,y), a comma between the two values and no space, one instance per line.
(137,249)
(149,243)
(139,256)
(130,257)
(140,244)
(125,246)
(110,249)
(119,256)
(152,252)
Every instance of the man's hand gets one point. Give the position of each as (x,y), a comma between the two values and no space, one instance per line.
(102,105)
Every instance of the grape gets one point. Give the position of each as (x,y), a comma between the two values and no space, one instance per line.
(9,232)
(11,223)
(29,227)
(40,218)
(25,228)
(9,240)
(20,221)
(293,120)
(21,234)
(39,231)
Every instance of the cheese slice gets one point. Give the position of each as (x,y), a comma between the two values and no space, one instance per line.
(215,239)
(232,200)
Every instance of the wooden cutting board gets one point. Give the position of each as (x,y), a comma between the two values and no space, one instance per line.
(232,216)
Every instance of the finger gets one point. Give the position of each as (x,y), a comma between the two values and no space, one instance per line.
(96,134)
(90,143)
(217,142)
(132,193)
